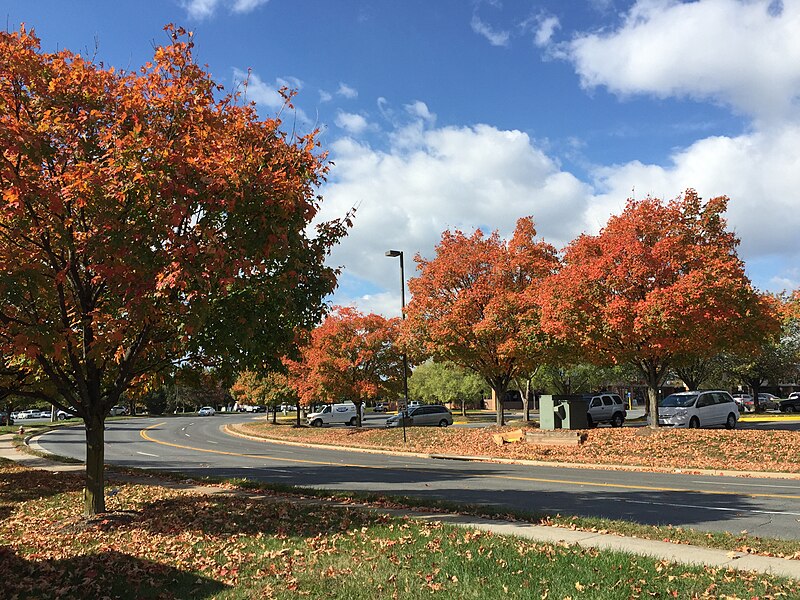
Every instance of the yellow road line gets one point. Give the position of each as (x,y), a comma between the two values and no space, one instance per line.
(144,435)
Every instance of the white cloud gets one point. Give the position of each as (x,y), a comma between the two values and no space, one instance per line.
(203,9)
(420,110)
(759,172)
(496,38)
(433,179)
(545,30)
(267,95)
(740,53)
(325,96)
(346,91)
(352,123)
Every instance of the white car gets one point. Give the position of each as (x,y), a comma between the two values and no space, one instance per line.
(605,407)
(206,411)
(705,408)
(344,413)
(28,414)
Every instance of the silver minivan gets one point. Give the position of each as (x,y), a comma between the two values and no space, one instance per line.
(705,408)
(432,415)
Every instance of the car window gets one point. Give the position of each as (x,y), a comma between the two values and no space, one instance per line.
(705,400)
(595,402)
(678,400)
(607,401)
(616,399)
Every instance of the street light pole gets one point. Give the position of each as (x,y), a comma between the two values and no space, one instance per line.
(392,254)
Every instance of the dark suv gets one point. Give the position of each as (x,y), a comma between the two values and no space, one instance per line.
(605,407)
(792,404)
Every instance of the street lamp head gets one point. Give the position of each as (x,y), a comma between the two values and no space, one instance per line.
(393,253)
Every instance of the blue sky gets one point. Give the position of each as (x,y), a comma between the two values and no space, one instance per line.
(457,113)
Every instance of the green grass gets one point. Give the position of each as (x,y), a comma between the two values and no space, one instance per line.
(159,543)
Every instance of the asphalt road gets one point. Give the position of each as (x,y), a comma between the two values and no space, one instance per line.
(197,446)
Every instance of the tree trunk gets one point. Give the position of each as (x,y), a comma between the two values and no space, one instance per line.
(359,404)
(652,405)
(297,414)
(94,501)
(274,415)
(497,395)
(463,407)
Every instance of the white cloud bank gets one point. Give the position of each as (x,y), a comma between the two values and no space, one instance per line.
(739,53)
(433,179)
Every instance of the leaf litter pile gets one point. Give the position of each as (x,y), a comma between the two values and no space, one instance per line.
(685,449)
(158,542)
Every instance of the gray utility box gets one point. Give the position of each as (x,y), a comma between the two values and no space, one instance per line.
(563,412)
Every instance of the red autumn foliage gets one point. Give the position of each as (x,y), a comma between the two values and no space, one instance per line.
(474,304)
(145,221)
(660,281)
(349,357)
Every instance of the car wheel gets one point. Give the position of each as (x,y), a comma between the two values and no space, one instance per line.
(617,420)
(316,423)
(589,421)
(62,417)
(731,422)
(789,409)
(694,423)
(443,423)
(353,422)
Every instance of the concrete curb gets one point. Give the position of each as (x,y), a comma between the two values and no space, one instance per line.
(517,461)
(678,553)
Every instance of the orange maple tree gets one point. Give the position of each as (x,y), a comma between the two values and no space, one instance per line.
(474,303)
(349,357)
(660,281)
(146,218)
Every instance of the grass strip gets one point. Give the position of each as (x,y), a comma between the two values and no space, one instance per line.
(167,543)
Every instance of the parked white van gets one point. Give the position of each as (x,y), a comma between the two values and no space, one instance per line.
(706,408)
(336,413)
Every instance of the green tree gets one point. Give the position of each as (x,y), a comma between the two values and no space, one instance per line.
(775,358)
(446,383)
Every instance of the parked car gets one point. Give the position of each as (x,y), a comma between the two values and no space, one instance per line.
(344,413)
(769,401)
(379,408)
(744,401)
(414,404)
(62,415)
(118,411)
(28,414)
(706,408)
(791,404)
(206,411)
(604,407)
(5,418)
(46,414)
(424,415)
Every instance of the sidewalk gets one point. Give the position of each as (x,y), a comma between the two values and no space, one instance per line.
(678,553)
